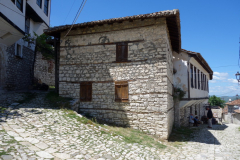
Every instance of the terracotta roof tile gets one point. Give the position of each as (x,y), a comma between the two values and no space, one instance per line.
(233,103)
(166,13)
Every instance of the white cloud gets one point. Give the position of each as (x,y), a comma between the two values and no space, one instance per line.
(220,76)
(232,80)
(224,90)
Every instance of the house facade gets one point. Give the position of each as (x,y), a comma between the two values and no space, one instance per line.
(120,69)
(231,114)
(191,74)
(18,18)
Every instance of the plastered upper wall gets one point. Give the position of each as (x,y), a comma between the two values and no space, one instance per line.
(10,10)
(181,78)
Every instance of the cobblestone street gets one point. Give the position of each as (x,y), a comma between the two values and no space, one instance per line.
(35,130)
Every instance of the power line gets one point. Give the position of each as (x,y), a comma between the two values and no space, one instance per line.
(224,66)
(77,15)
(69,11)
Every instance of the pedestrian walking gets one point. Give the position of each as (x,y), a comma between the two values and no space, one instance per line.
(209,117)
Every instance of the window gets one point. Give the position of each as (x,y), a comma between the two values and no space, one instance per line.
(86,91)
(207,86)
(191,70)
(20,4)
(39,3)
(122,52)
(199,79)
(204,82)
(13,1)
(18,50)
(121,91)
(195,77)
(27,25)
(46,7)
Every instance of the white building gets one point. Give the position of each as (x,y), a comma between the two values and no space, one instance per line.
(17,18)
(192,75)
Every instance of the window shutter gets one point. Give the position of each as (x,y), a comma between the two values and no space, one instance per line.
(118,96)
(122,52)
(89,91)
(82,92)
(124,91)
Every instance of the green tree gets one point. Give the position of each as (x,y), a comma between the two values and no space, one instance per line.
(216,101)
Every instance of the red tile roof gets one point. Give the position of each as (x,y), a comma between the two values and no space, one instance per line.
(233,103)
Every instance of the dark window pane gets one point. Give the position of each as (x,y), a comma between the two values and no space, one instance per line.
(39,2)
(46,7)
(13,1)
(195,77)
(191,72)
(27,25)
(20,4)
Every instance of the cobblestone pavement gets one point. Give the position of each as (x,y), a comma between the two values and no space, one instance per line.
(34,130)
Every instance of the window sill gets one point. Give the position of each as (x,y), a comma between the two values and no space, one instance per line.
(121,61)
(19,57)
(120,101)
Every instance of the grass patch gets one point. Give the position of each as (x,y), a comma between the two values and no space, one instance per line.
(58,101)
(135,136)
(3,153)
(239,128)
(27,97)
(84,120)
(129,135)
(2,109)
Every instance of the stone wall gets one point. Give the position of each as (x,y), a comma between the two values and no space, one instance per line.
(3,64)
(44,70)
(19,70)
(85,57)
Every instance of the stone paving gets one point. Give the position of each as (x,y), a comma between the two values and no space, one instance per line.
(34,130)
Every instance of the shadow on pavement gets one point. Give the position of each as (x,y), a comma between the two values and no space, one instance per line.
(200,134)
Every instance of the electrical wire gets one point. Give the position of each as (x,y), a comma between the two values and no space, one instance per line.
(69,11)
(77,15)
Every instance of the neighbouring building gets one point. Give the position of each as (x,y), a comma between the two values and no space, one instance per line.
(18,18)
(191,74)
(121,69)
(230,108)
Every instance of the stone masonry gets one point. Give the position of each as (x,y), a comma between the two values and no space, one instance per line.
(17,72)
(89,55)
(44,70)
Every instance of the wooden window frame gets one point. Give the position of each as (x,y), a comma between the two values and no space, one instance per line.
(39,1)
(122,52)
(121,85)
(46,6)
(21,5)
(85,91)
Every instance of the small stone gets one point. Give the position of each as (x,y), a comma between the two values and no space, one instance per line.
(44,154)
(62,155)
(7,157)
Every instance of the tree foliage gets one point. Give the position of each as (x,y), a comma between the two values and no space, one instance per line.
(216,101)
(41,44)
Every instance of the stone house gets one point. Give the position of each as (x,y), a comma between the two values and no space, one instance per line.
(17,18)
(191,74)
(121,70)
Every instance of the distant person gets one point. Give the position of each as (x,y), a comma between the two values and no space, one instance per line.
(191,118)
(209,117)
(196,121)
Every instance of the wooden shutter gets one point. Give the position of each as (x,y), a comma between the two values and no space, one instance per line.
(121,91)
(122,52)
(86,91)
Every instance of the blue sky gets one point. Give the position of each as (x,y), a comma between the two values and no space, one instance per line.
(210,27)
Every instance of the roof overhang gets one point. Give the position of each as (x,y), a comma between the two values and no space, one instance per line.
(172,19)
(9,32)
(198,57)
